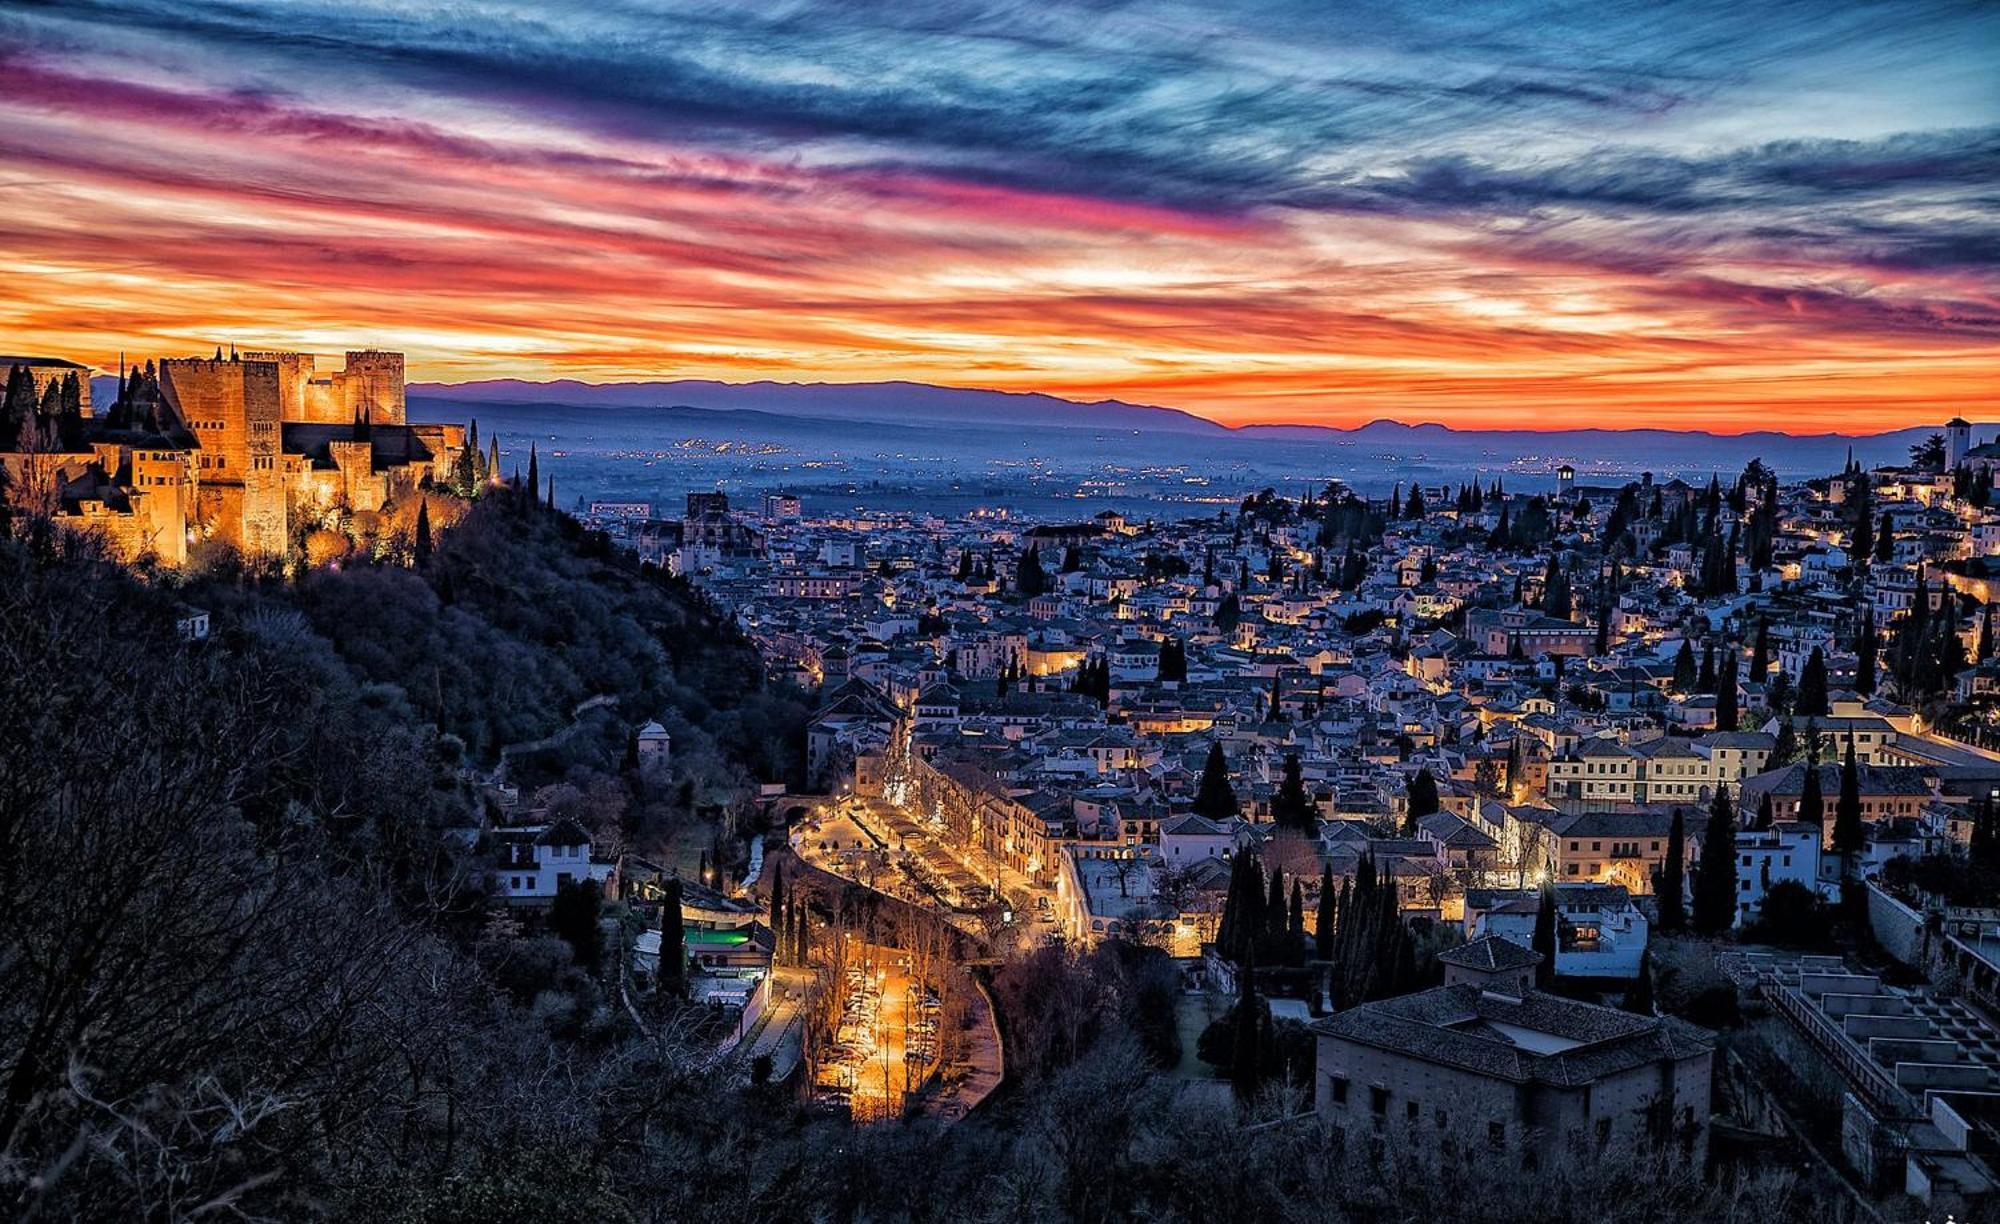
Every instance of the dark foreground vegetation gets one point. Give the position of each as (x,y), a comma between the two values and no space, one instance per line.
(247,975)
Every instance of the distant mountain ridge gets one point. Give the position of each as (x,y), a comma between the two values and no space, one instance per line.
(886,403)
(905,402)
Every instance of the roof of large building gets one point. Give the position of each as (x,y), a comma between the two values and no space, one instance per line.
(1652,822)
(1911,780)
(1538,1038)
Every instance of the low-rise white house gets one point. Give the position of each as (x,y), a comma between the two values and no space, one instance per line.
(1186,840)
(530,862)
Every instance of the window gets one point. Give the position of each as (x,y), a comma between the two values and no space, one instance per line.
(1340,1090)
(1378,1101)
(1496,1135)
(1410,1112)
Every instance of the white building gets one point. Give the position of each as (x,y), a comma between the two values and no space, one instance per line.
(530,862)
(1765,857)
(1187,840)
(656,747)
(1604,932)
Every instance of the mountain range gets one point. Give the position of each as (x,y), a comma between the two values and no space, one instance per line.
(925,405)
(909,403)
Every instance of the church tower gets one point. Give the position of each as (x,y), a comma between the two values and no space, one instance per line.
(1957,442)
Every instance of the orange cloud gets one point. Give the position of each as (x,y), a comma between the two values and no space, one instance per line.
(154,219)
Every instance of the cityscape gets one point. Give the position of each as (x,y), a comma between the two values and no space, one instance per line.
(1143,613)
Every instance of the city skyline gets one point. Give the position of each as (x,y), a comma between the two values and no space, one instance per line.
(1543,216)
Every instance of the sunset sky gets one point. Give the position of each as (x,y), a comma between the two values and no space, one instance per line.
(1737,215)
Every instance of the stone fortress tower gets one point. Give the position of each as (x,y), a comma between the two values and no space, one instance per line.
(235,409)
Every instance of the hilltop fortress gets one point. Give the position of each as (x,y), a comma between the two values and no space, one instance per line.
(253,448)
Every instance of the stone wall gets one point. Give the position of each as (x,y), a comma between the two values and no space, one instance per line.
(1897,927)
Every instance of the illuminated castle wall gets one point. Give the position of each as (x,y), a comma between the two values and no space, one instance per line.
(252,449)
(370,382)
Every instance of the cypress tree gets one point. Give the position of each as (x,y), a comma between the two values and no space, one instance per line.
(1232,912)
(1725,693)
(1556,598)
(1291,807)
(421,548)
(1639,999)
(1864,654)
(1812,698)
(534,473)
(1251,929)
(777,897)
(1214,798)
(673,942)
(1029,578)
(1848,836)
(1328,916)
(1812,803)
(1672,886)
(1272,929)
(1422,792)
(1544,940)
(1684,673)
(1760,653)
(465,469)
(1715,874)
(1246,1063)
